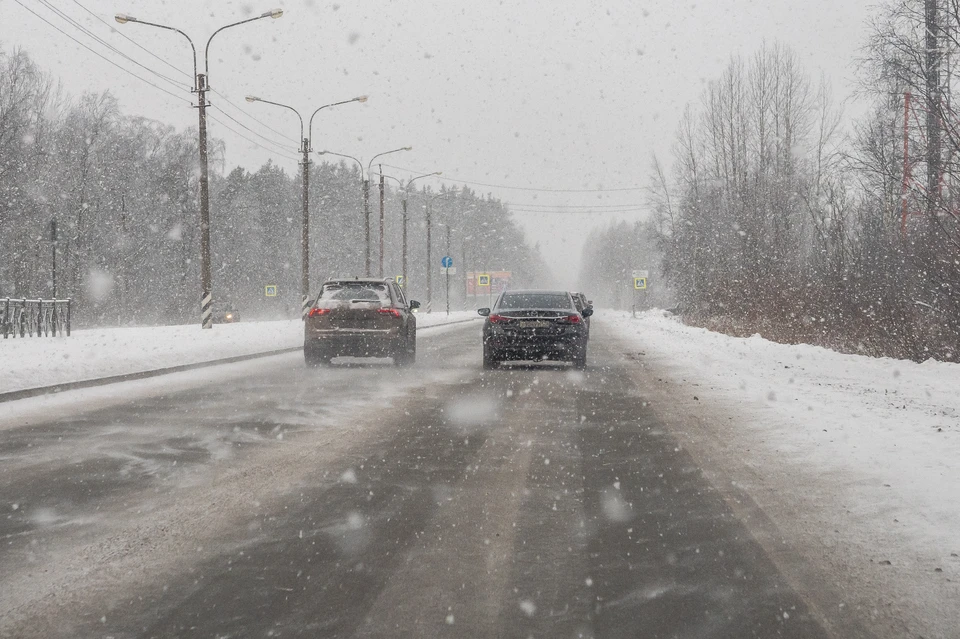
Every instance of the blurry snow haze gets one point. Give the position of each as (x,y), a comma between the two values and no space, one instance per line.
(554,107)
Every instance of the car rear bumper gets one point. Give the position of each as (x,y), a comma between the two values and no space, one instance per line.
(538,347)
(368,343)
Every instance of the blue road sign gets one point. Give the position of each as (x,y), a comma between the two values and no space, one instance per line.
(446,262)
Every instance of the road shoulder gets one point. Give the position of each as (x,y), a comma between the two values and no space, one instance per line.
(810,522)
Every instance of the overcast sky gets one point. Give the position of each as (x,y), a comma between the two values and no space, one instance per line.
(549,95)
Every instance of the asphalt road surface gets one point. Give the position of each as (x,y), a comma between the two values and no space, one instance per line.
(265,499)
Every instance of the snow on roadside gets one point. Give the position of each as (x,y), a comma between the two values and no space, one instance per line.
(877,438)
(92,353)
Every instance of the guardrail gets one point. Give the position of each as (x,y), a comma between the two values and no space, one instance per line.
(43,318)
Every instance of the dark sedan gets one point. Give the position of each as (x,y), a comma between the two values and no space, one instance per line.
(534,326)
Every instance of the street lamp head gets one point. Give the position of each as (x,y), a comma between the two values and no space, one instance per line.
(439,173)
(360,99)
(407,148)
(322,152)
(273,13)
(123,18)
(252,98)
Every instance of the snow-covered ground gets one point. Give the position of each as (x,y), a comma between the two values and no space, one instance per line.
(858,458)
(95,353)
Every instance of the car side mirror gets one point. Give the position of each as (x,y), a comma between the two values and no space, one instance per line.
(587,312)
(414,304)
(483,311)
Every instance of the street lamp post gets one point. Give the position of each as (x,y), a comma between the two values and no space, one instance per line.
(447,283)
(201,87)
(382,231)
(405,189)
(305,148)
(429,215)
(366,206)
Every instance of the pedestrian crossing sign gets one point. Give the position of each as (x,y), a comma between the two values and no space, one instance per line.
(399,280)
(639,283)
(270,290)
(483,279)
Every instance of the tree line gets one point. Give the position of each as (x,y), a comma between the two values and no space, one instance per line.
(774,219)
(123,192)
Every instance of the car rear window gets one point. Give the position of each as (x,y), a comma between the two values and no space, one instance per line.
(535,300)
(348,291)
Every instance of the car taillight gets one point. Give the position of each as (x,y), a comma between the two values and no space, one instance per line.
(316,312)
(499,319)
(389,311)
(572,319)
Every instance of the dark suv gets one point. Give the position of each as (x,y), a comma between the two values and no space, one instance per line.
(360,318)
(534,325)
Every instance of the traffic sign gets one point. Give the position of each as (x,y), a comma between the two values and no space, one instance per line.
(399,280)
(644,274)
(639,283)
(446,261)
(270,290)
(450,270)
(483,279)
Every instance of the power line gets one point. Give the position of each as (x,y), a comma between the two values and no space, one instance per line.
(135,43)
(109,46)
(450,178)
(125,70)
(261,123)
(241,124)
(250,140)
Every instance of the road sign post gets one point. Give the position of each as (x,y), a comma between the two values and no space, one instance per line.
(483,279)
(640,278)
(447,265)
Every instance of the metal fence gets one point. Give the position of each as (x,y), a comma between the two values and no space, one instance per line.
(41,318)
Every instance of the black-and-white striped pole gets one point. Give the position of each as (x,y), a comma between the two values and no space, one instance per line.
(304,307)
(206,310)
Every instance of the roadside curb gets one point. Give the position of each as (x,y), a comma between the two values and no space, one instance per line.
(127,377)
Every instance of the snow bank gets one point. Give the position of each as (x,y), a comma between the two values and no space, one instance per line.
(94,353)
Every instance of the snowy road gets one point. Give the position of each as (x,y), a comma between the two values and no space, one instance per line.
(263,498)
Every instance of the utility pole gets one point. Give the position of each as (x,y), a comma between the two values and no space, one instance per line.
(366,224)
(466,275)
(305,148)
(934,105)
(201,88)
(403,264)
(429,262)
(381,219)
(447,296)
(305,231)
(206,280)
(366,202)
(405,190)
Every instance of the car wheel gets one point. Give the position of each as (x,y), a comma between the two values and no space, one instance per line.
(580,358)
(490,361)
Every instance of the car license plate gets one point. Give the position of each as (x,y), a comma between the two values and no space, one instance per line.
(536,324)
